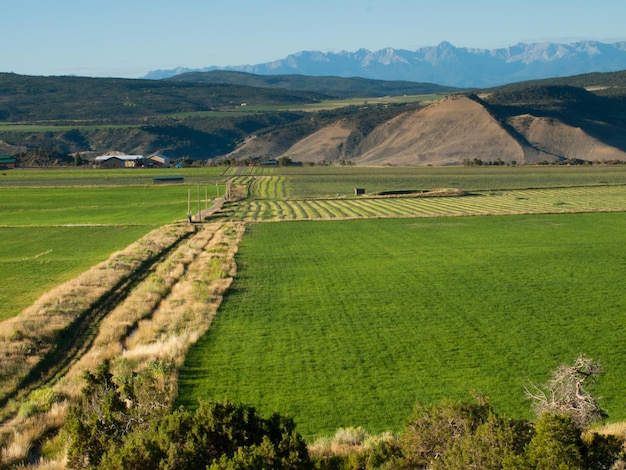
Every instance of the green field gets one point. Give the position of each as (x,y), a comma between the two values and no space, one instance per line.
(83,176)
(52,233)
(33,260)
(349,323)
(137,205)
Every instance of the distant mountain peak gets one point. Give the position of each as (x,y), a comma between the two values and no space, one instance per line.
(444,64)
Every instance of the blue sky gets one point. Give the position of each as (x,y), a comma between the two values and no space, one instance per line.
(128,38)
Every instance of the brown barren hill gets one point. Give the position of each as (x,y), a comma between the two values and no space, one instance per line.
(452,131)
(564,141)
(326,144)
(444,133)
(255,146)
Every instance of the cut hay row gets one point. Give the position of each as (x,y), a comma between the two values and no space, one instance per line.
(268,187)
(338,209)
(312,210)
(304,208)
(388,209)
(252,187)
(299,212)
(364,208)
(265,188)
(274,210)
(407,205)
(279,187)
(255,211)
(584,199)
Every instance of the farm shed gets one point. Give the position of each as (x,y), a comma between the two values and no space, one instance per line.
(359,191)
(168,179)
(158,160)
(119,161)
(7,163)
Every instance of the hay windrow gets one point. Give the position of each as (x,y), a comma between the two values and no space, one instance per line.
(54,313)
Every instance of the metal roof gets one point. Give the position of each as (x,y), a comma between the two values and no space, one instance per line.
(103,158)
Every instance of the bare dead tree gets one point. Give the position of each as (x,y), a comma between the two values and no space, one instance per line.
(568,393)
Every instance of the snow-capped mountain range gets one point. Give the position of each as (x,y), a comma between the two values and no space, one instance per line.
(444,64)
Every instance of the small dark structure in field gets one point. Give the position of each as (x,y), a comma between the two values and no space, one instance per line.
(168,179)
(359,191)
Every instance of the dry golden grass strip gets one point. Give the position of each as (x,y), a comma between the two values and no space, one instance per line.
(26,340)
(25,430)
(154,322)
(348,441)
(140,304)
(186,313)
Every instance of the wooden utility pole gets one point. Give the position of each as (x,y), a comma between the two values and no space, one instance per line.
(189,205)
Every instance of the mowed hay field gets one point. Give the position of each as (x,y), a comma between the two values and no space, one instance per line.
(327,181)
(328,192)
(350,323)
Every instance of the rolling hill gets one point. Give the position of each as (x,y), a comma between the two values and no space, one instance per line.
(579,119)
(340,87)
(545,124)
(112,100)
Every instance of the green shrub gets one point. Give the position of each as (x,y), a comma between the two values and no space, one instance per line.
(433,429)
(603,452)
(491,445)
(556,444)
(98,422)
(219,435)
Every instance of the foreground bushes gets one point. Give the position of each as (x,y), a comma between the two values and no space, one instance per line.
(452,435)
(112,429)
(217,436)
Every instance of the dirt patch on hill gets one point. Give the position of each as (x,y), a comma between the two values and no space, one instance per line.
(564,141)
(444,133)
(326,144)
(255,146)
